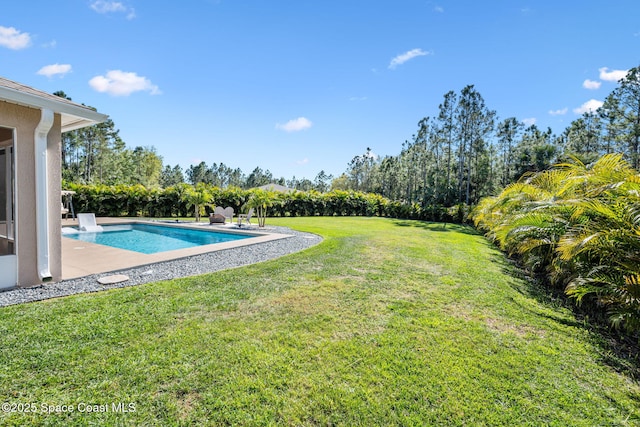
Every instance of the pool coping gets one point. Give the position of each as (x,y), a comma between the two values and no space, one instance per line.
(178,268)
(81,258)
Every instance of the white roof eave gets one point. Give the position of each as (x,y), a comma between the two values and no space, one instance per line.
(73,116)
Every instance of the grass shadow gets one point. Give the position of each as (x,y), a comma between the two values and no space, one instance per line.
(617,350)
(437,226)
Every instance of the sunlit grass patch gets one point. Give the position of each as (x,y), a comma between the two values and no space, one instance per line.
(384,323)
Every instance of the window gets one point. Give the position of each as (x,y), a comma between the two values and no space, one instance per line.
(7,199)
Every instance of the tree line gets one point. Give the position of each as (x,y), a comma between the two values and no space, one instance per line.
(466,152)
(459,156)
(98,155)
(223,176)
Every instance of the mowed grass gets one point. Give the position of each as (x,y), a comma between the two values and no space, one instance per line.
(386,322)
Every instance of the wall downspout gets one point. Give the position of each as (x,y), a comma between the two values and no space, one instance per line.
(42,196)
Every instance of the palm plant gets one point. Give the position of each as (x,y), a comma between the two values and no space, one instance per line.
(198,197)
(526,220)
(581,225)
(260,200)
(606,247)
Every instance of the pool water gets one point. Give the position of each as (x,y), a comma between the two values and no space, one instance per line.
(151,239)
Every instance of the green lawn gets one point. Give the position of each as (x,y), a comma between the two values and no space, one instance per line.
(384,323)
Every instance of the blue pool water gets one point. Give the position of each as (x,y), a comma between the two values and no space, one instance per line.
(151,239)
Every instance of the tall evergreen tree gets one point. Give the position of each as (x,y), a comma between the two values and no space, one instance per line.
(171,176)
(258,177)
(627,95)
(199,173)
(508,133)
(475,122)
(446,129)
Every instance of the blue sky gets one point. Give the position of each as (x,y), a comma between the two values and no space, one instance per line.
(299,86)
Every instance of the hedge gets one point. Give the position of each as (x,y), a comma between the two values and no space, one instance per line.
(138,201)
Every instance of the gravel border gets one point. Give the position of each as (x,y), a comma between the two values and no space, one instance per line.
(174,269)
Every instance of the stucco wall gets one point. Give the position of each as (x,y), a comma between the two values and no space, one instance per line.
(54,167)
(25,120)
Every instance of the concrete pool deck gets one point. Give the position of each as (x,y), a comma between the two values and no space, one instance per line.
(81,258)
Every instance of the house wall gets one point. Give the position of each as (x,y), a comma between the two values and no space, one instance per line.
(25,120)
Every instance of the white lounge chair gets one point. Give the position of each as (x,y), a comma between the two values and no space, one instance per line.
(228,213)
(87,222)
(245,218)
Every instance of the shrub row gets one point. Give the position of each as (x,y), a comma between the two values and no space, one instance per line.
(138,201)
(578,226)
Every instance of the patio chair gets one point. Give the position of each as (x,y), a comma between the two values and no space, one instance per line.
(245,218)
(218,210)
(87,222)
(228,213)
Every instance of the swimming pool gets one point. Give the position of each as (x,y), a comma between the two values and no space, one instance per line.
(151,239)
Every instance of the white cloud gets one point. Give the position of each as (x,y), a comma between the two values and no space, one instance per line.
(53,69)
(120,83)
(14,39)
(612,75)
(294,125)
(590,106)
(102,6)
(591,84)
(303,161)
(404,57)
(530,121)
(439,9)
(560,112)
